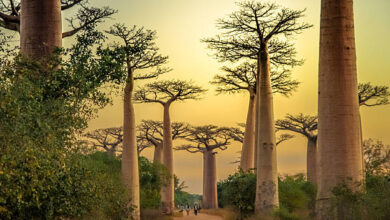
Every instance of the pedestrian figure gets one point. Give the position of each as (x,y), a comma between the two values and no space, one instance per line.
(196,209)
(188,209)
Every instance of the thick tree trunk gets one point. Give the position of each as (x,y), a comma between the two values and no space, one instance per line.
(210,198)
(339,137)
(157,157)
(311,160)
(40,28)
(248,145)
(130,173)
(167,192)
(267,175)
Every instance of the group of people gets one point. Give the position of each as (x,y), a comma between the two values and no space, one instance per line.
(188,208)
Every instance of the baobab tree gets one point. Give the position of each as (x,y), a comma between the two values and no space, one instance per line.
(136,51)
(263,32)
(108,139)
(165,93)
(40,25)
(339,125)
(206,140)
(243,79)
(152,132)
(305,125)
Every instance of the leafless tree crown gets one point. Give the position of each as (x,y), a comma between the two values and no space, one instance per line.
(370,95)
(168,91)
(243,78)
(85,16)
(209,137)
(254,25)
(303,124)
(152,131)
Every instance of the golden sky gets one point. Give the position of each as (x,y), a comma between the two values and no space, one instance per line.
(180,24)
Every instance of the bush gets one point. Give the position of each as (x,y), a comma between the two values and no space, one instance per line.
(238,191)
(296,195)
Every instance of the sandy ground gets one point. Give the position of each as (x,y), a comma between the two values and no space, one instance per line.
(200,216)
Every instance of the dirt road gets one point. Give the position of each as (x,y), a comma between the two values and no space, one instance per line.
(200,216)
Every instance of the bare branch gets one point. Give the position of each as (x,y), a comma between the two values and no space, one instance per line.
(168,91)
(370,95)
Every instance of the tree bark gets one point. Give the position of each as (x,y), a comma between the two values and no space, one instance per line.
(167,192)
(248,145)
(40,28)
(157,157)
(267,176)
(339,137)
(210,198)
(311,160)
(130,174)
(111,152)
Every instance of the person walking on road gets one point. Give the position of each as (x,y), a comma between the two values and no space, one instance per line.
(188,209)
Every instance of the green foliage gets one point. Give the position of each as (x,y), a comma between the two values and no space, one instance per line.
(182,197)
(42,108)
(152,177)
(296,195)
(238,191)
(373,203)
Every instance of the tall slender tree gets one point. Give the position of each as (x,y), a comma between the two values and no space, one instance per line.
(165,93)
(243,79)
(40,25)
(206,140)
(261,31)
(136,51)
(305,125)
(339,125)
(152,132)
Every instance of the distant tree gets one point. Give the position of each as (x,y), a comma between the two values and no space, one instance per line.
(152,133)
(376,157)
(136,51)
(41,26)
(243,79)
(206,140)
(108,139)
(307,126)
(370,95)
(263,32)
(165,93)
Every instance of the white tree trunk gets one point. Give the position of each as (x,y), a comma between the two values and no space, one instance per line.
(339,137)
(267,197)
(248,145)
(40,28)
(130,173)
(167,192)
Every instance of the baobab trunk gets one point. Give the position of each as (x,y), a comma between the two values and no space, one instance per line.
(111,152)
(248,145)
(267,176)
(167,192)
(157,157)
(210,198)
(311,160)
(40,28)
(339,137)
(130,175)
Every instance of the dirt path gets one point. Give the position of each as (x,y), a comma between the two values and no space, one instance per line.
(200,216)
